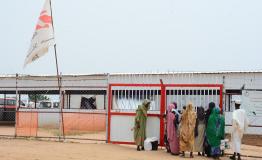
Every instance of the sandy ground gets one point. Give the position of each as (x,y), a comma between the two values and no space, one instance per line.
(7,130)
(20,149)
(81,135)
(72,149)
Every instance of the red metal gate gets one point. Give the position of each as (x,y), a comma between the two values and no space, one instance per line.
(130,95)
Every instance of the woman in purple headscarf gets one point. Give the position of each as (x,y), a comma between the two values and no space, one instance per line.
(172,135)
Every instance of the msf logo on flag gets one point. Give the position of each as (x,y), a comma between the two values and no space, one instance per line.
(43,36)
(45,19)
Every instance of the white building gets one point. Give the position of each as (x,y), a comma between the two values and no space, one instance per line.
(238,84)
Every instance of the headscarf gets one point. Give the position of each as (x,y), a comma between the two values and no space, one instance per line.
(189,109)
(211,105)
(200,113)
(170,107)
(145,106)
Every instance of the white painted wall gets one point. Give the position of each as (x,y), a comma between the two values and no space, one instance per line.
(254,121)
(121,128)
(251,102)
(48,120)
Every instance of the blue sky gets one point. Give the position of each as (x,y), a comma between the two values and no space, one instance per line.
(136,36)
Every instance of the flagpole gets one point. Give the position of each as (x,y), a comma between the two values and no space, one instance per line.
(57,70)
(59,82)
(17,103)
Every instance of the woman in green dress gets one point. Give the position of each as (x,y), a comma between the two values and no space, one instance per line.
(140,124)
(215,132)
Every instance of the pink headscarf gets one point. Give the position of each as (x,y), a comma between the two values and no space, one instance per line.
(170,122)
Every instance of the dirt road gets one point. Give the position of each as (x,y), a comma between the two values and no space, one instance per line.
(19,149)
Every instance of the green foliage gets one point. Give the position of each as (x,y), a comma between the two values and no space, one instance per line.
(37,97)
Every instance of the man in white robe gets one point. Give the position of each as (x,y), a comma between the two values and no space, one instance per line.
(239,125)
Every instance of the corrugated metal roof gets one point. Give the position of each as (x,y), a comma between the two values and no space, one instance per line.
(190,72)
(135,73)
(48,75)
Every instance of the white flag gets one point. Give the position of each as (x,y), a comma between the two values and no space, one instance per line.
(43,36)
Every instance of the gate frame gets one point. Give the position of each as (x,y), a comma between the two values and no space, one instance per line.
(162,104)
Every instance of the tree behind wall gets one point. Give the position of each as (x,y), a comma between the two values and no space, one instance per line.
(37,97)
